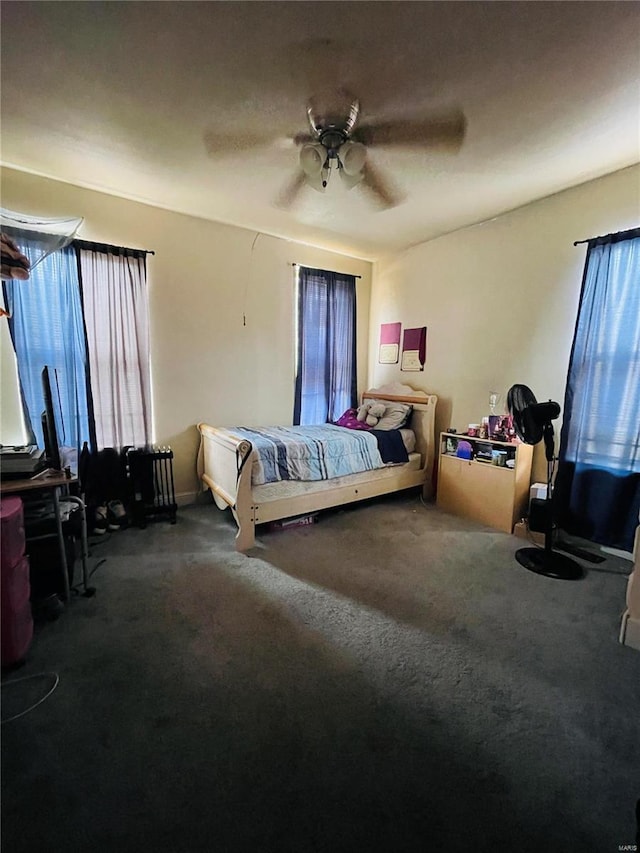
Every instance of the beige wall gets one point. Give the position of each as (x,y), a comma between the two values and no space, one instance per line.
(499,299)
(207,365)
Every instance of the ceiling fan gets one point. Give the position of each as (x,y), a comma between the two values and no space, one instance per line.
(338,142)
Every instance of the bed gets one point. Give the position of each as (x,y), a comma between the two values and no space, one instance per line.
(229,465)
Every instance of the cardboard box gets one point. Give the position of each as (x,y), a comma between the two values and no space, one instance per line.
(538,491)
(296,521)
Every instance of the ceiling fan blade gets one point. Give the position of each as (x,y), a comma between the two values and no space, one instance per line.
(304,138)
(384,193)
(226,143)
(291,190)
(444,131)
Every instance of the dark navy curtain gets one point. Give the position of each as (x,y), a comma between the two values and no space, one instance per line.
(47,328)
(597,489)
(326,377)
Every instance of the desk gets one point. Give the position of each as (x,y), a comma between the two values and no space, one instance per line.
(56,483)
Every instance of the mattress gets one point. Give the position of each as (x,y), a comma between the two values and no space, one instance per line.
(408,439)
(313,452)
(294,488)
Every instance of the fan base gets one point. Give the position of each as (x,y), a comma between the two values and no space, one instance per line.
(549,563)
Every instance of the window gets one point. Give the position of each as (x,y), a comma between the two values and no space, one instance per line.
(114,288)
(47,328)
(84,312)
(326,346)
(598,483)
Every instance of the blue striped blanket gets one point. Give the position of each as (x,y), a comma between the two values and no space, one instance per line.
(309,452)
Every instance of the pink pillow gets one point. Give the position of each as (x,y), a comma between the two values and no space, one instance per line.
(350,420)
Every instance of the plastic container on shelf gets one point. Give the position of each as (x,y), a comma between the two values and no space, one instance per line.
(464,450)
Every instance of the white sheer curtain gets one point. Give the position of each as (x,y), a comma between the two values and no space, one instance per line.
(117,322)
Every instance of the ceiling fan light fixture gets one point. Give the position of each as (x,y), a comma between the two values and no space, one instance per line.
(350,181)
(317,181)
(312,158)
(353,156)
(335,141)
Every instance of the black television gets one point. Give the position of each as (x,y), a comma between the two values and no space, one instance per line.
(49,430)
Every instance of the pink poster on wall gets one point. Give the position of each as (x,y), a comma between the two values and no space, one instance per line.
(389,343)
(414,349)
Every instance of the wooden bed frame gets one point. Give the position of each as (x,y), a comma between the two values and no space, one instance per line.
(224,466)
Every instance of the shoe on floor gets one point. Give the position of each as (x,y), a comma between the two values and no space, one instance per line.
(116,515)
(100,522)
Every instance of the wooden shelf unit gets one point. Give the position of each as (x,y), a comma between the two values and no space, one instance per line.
(490,494)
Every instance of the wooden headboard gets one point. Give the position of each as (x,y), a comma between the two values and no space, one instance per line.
(422,420)
(399,392)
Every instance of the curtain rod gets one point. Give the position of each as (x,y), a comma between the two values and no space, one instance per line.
(76,241)
(336,271)
(611,238)
(107,247)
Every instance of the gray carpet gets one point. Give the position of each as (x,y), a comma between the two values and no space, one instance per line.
(387,679)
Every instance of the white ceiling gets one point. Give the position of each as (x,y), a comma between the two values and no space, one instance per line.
(119,96)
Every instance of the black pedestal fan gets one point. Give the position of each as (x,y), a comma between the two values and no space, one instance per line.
(532,422)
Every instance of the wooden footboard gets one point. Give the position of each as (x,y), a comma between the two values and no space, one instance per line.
(224,466)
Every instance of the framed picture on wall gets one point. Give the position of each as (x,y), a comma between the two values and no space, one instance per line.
(389,343)
(411,360)
(388,354)
(414,349)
